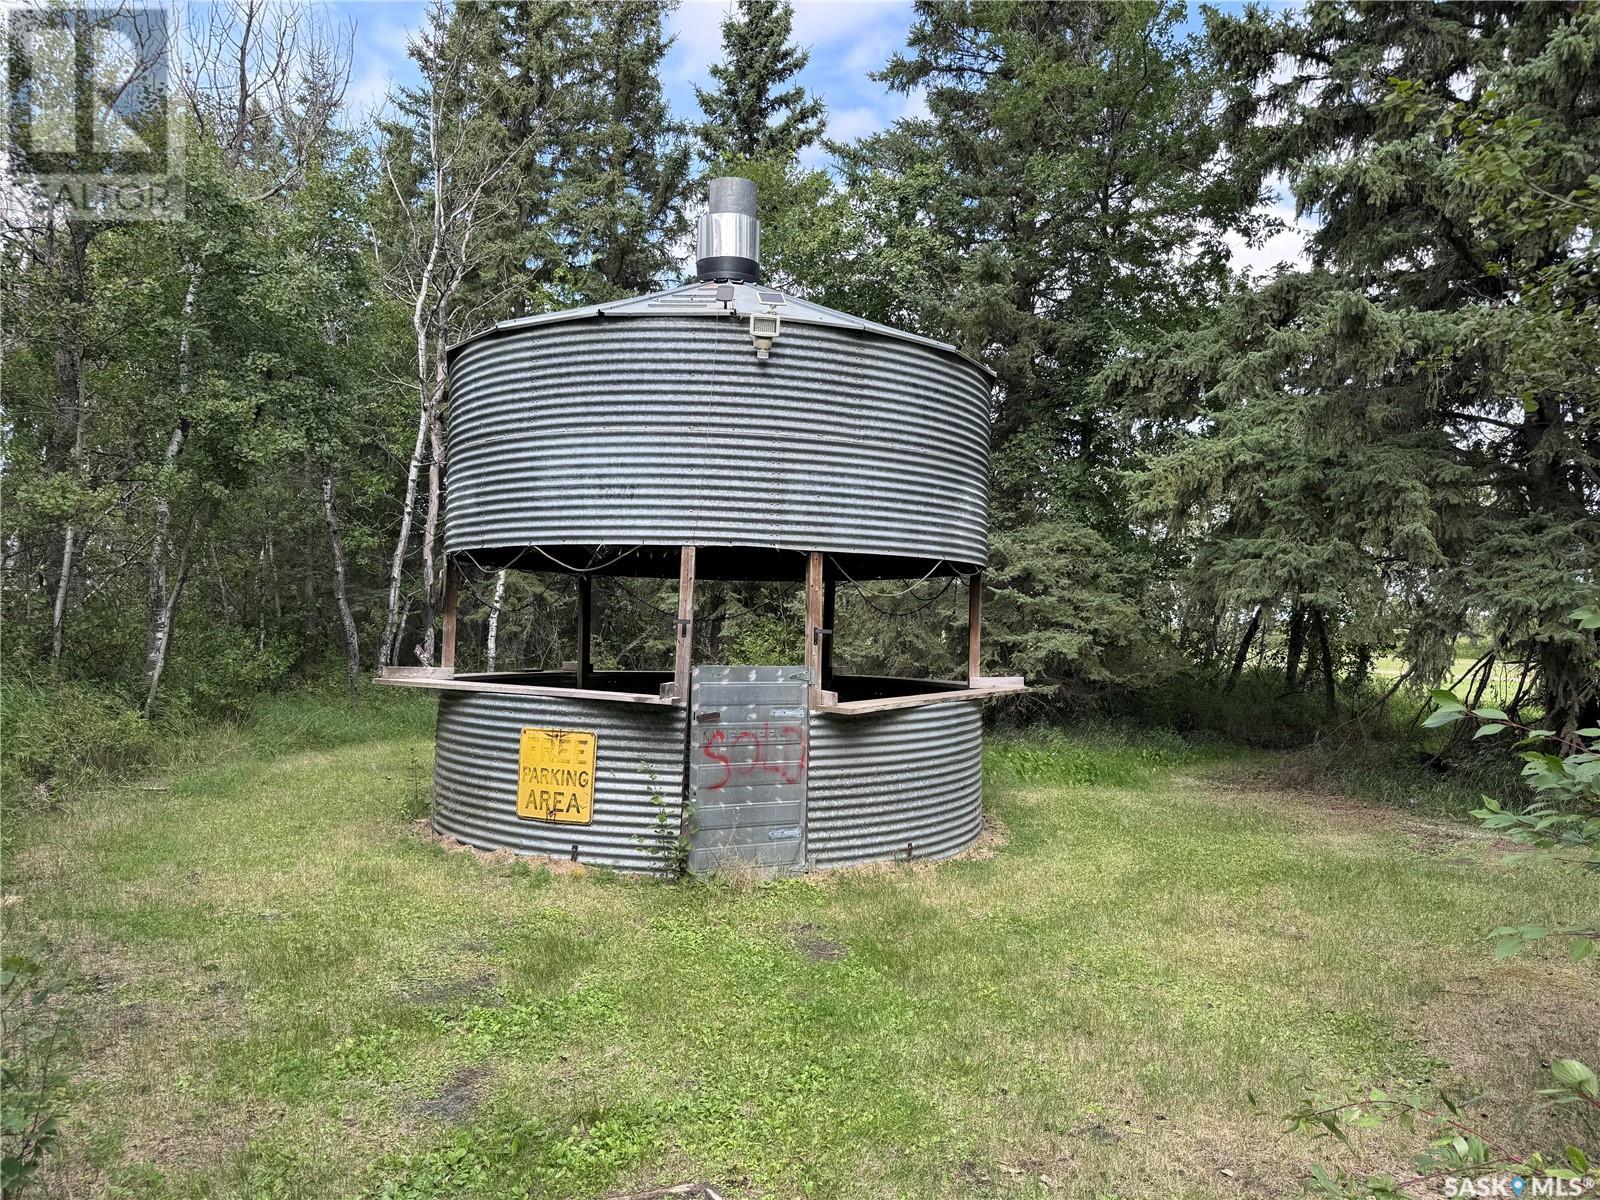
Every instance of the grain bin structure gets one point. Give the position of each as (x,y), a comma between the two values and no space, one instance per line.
(721,430)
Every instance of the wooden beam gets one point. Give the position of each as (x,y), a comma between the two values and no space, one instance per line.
(435,679)
(974,626)
(829,587)
(452,602)
(857,708)
(683,655)
(814,625)
(585,628)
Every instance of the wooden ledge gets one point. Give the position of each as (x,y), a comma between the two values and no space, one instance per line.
(980,689)
(440,680)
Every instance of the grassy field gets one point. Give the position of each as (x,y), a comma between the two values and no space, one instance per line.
(1503,677)
(285,988)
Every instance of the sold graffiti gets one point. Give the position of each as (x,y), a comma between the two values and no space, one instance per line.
(745,754)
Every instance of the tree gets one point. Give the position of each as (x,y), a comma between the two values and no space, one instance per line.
(1403,436)
(1063,198)
(751,114)
(223,371)
(528,66)
(441,161)
(620,205)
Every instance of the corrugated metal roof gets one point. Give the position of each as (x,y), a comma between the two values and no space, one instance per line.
(702,299)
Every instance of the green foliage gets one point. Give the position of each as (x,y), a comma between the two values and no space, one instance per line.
(1398,436)
(1090,755)
(1563,818)
(32,1081)
(750,114)
(1452,1150)
(667,843)
(1024,223)
(624,190)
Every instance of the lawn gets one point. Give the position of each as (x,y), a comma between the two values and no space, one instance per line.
(284,987)
(1504,677)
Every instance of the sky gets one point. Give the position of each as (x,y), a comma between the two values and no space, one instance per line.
(848,40)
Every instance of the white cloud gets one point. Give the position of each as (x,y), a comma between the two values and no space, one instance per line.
(380,55)
(848,124)
(365,95)
(825,22)
(697,29)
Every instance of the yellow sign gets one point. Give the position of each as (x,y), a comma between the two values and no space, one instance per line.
(555,779)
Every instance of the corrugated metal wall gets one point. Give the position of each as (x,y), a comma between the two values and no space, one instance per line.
(638,774)
(879,782)
(666,430)
(874,783)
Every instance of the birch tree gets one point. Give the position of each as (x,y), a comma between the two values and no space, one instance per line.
(444,166)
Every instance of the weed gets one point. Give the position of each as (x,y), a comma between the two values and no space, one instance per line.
(667,843)
(32,1081)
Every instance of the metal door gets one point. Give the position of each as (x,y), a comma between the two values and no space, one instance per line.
(747,769)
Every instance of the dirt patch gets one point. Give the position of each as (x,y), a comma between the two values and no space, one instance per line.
(1501,1028)
(677,1191)
(443,991)
(423,830)
(1441,839)
(992,838)
(810,942)
(460,1097)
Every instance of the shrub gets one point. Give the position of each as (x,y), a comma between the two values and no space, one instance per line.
(65,733)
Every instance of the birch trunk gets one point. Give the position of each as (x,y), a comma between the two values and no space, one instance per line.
(352,639)
(425,401)
(161,605)
(494,616)
(163,624)
(73,392)
(430,526)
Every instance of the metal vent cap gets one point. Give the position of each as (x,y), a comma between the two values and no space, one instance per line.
(728,236)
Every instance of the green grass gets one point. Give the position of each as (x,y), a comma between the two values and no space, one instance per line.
(1503,677)
(285,990)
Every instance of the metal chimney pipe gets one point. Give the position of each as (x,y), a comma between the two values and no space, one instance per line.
(728,241)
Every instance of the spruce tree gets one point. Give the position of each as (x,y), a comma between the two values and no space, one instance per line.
(530,73)
(1061,200)
(620,204)
(751,114)
(1404,435)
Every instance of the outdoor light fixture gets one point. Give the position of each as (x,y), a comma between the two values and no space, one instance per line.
(763,332)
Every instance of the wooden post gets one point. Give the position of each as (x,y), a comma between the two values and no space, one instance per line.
(814,625)
(974,627)
(683,656)
(584,629)
(452,601)
(828,589)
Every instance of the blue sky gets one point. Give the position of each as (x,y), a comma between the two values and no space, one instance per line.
(848,40)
